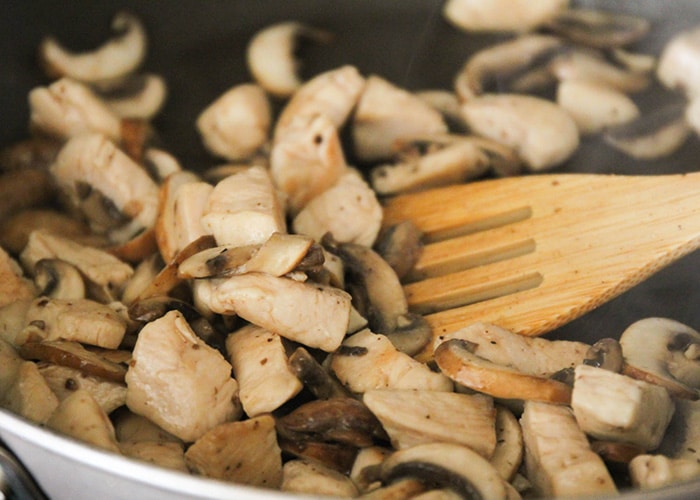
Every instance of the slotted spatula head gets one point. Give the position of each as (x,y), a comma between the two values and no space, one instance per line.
(533,253)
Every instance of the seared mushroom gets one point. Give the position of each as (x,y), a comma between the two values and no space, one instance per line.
(307,477)
(271,56)
(237,124)
(599,28)
(612,406)
(557,450)
(58,279)
(591,66)
(115,58)
(315,377)
(541,133)
(508,454)
(138,97)
(657,134)
(259,363)
(413,417)
(387,114)
(605,353)
(501,15)
(400,245)
(664,352)
(446,465)
(242,452)
(24,189)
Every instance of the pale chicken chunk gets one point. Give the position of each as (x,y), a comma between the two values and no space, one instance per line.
(243,209)
(349,210)
(14,285)
(260,365)
(312,314)
(369,361)
(190,202)
(29,395)
(179,382)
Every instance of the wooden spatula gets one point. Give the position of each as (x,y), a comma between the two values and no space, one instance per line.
(533,253)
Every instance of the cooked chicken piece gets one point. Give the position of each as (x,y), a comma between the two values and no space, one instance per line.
(10,362)
(105,272)
(305,477)
(558,458)
(80,417)
(386,115)
(369,361)
(260,366)
(333,94)
(14,285)
(170,455)
(81,320)
(91,164)
(314,315)
(29,395)
(131,427)
(12,320)
(412,417)
(190,202)
(243,209)
(166,221)
(307,159)
(176,380)
(531,355)
(349,210)
(241,452)
(616,407)
(64,381)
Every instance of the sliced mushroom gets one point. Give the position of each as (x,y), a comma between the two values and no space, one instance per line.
(144,274)
(558,457)
(24,189)
(274,304)
(135,97)
(369,361)
(678,63)
(74,355)
(540,132)
(237,124)
(491,68)
(242,452)
(586,65)
(447,103)
(594,106)
(634,61)
(508,454)
(58,279)
(617,455)
(446,465)
(599,28)
(64,381)
(244,209)
(456,360)
(307,159)
(307,477)
(605,353)
(259,364)
(28,394)
(501,15)
(160,164)
(398,490)
(656,134)
(315,377)
(68,108)
(27,154)
(115,58)
(412,417)
(332,94)
(387,114)
(349,210)
(612,406)
(271,55)
(400,245)
(664,352)
(178,381)
(90,164)
(369,456)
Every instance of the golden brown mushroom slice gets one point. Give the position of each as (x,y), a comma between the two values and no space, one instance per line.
(243,452)
(457,361)
(508,454)
(73,355)
(307,477)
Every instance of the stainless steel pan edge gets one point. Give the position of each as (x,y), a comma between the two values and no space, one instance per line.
(198,46)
